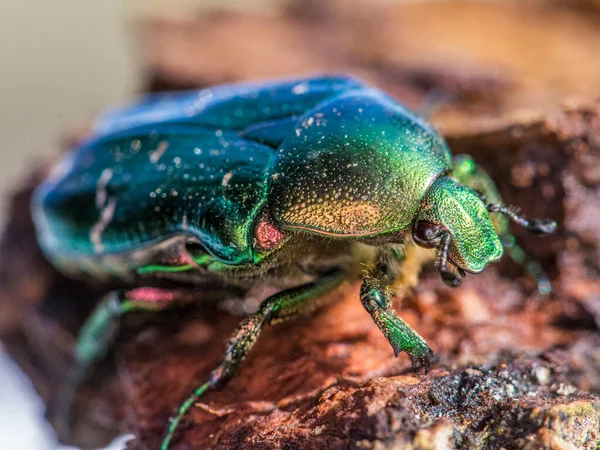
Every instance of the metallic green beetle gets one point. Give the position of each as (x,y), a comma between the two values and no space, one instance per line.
(295,184)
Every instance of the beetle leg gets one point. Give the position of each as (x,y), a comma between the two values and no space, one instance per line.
(97,334)
(399,334)
(283,306)
(375,296)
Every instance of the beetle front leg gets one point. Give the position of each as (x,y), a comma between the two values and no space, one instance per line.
(283,306)
(402,338)
(96,336)
(375,296)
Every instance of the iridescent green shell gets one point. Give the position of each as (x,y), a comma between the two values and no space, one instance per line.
(325,155)
(356,165)
(191,164)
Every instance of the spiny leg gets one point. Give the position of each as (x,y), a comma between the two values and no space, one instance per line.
(472,175)
(283,306)
(96,336)
(375,296)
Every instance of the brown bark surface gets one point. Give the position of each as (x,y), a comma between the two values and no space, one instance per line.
(516,370)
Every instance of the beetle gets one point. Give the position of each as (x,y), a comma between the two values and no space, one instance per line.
(294,183)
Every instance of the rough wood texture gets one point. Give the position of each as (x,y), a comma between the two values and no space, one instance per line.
(516,370)
(486,59)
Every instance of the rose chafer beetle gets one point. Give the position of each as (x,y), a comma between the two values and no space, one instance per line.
(296,184)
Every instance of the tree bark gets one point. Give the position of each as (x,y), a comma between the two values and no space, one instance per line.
(516,370)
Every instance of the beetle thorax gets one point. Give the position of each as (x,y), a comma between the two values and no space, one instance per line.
(355,167)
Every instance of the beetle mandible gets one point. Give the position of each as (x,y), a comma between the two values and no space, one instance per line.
(293,183)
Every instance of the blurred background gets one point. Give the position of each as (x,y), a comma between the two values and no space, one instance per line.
(65,60)
(61,61)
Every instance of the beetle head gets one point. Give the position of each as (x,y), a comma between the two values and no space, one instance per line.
(454,219)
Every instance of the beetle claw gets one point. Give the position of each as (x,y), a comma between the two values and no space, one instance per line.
(424,360)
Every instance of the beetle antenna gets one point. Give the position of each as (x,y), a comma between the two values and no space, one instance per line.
(540,226)
(442,262)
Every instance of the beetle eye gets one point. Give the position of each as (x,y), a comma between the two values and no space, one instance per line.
(427,234)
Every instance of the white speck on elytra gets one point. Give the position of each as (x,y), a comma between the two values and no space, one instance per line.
(101,185)
(98,228)
(204,98)
(226,178)
(159,152)
(299,89)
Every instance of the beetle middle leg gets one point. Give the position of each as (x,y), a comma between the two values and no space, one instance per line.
(97,334)
(375,296)
(283,306)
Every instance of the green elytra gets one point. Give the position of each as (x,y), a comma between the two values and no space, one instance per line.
(295,183)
